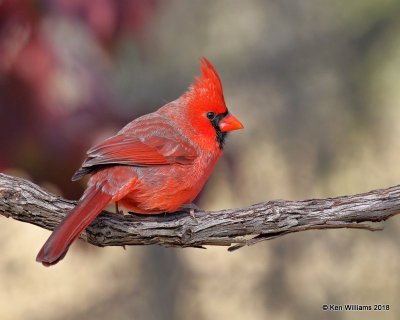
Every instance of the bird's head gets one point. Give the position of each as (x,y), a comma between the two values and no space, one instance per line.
(207,111)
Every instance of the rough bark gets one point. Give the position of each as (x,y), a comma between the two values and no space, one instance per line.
(24,201)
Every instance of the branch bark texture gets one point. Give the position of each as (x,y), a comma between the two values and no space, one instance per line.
(24,201)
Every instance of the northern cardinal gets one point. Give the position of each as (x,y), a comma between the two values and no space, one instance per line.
(157,163)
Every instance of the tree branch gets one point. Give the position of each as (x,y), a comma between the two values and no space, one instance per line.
(24,201)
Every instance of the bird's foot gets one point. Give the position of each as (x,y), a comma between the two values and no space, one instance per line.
(191,207)
(191,212)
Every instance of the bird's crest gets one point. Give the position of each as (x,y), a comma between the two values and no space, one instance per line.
(209,78)
(207,88)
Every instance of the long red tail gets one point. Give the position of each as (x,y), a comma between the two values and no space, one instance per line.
(87,209)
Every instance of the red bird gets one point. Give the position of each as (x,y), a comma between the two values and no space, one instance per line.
(156,163)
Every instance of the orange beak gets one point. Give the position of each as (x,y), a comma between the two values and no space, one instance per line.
(230,123)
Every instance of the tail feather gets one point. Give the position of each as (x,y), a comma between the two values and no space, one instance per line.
(87,209)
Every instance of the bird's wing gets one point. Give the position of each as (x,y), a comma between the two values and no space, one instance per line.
(144,144)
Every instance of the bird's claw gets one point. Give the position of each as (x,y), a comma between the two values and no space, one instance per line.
(191,213)
(192,208)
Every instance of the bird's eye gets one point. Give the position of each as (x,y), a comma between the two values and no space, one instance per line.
(210,115)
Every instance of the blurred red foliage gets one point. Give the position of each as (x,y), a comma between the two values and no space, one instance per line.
(45,124)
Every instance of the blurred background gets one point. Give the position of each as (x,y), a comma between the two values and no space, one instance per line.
(315,84)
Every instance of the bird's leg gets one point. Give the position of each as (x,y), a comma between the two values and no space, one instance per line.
(119,212)
(192,208)
(117,208)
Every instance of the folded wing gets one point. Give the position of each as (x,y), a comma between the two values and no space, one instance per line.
(150,141)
